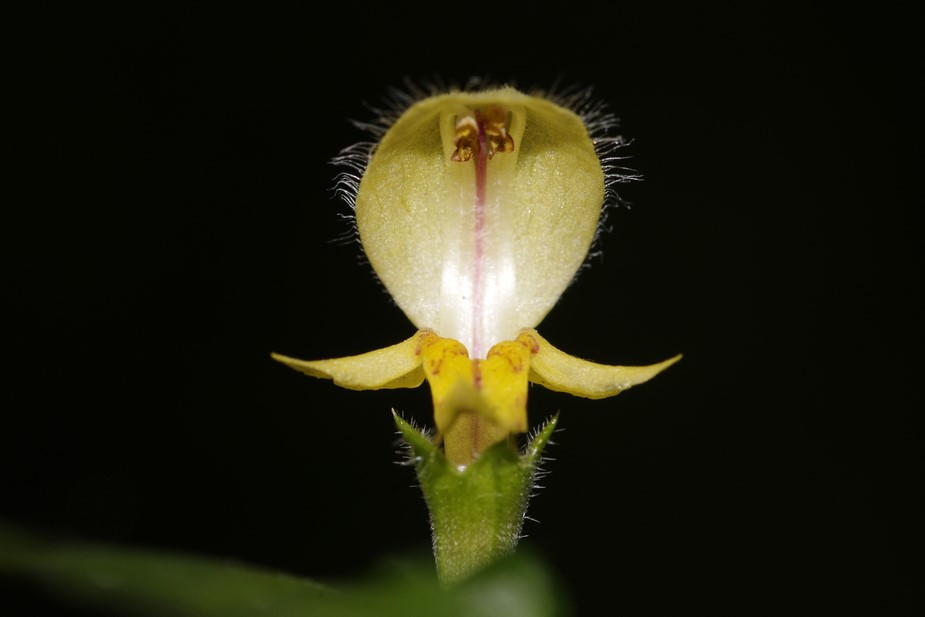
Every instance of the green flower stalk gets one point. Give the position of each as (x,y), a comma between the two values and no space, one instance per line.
(476,210)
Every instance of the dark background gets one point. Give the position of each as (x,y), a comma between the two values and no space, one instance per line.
(170,222)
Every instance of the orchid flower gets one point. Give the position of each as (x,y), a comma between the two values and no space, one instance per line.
(476,210)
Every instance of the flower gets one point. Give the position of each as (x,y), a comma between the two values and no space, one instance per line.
(476,210)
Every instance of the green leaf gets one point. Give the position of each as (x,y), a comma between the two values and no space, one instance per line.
(155,583)
(127,581)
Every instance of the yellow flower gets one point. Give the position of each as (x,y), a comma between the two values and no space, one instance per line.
(476,210)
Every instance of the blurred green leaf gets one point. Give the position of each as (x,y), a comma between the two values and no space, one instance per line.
(129,581)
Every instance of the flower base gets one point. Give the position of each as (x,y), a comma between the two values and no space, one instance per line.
(477,511)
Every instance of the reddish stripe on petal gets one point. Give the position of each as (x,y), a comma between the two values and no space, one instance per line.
(481,172)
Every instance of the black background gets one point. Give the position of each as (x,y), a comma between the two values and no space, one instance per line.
(170,222)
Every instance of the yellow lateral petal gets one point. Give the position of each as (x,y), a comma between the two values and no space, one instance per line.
(449,372)
(397,366)
(561,372)
(504,381)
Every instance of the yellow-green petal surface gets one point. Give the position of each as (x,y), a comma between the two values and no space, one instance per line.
(397,366)
(559,371)
(416,216)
